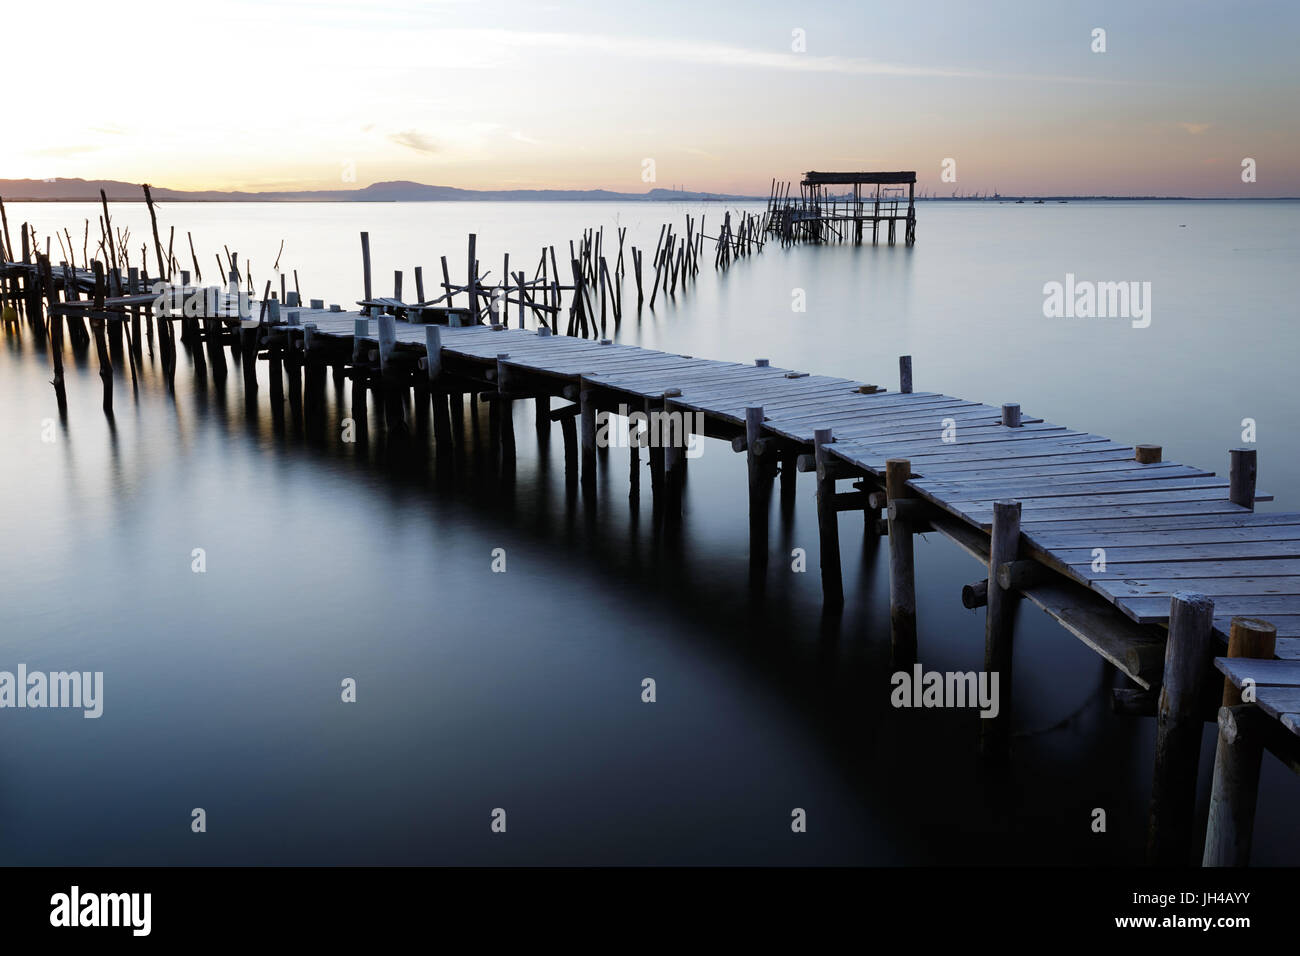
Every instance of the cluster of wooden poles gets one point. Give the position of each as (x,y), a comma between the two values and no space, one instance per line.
(594,289)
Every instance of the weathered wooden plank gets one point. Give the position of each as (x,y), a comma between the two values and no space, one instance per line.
(1090,452)
(1148,609)
(1236,519)
(702,371)
(1264,673)
(1279,700)
(852,407)
(1267,568)
(1152,587)
(1117,539)
(1165,553)
(1049,475)
(1051,515)
(1085,495)
(869,428)
(1055,447)
(891,405)
(1057,486)
(1288,625)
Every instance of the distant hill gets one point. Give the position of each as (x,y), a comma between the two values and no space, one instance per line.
(86,190)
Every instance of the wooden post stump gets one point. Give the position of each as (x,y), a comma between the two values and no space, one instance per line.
(902,573)
(1238,756)
(759,489)
(1004,546)
(828,522)
(587,403)
(1241,478)
(1188,650)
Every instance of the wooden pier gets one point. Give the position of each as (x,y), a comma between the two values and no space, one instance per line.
(818,215)
(1164,570)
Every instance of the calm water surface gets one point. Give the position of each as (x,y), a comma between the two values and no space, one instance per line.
(522,690)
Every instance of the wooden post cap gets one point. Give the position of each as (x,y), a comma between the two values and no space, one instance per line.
(1248,637)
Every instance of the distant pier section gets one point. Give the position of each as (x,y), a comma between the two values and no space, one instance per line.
(821,212)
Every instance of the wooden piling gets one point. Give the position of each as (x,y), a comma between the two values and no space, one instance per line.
(1238,757)
(101,344)
(507,408)
(905,374)
(1188,650)
(902,573)
(828,522)
(365,270)
(1004,546)
(587,402)
(759,487)
(1241,480)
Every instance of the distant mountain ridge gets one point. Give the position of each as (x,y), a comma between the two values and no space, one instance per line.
(87,190)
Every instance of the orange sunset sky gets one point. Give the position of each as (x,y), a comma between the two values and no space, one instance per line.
(303,94)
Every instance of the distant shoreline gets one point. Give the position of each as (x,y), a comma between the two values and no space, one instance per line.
(641,199)
(76,189)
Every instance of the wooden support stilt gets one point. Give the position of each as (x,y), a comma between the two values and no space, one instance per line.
(507,409)
(101,344)
(365,270)
(634,460)
(1238,755)
(902,574)
(56,336)
(674,442)
(760,487)
(587,402)
(433,352)
(1179,722)
(275,372)
(789,475)
(1241,479)
(394,415)
(655,454)
(293,369)
(569,431)
(828,523)
(359,410)
(433,370)
(542,411)
(1004,546)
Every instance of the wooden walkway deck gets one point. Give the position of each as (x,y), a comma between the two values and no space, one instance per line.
(1166,527)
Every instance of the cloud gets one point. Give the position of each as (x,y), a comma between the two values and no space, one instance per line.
(412,139)
(719,54)
(518,135)
(1195,128)
(696,152)
(66,150)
